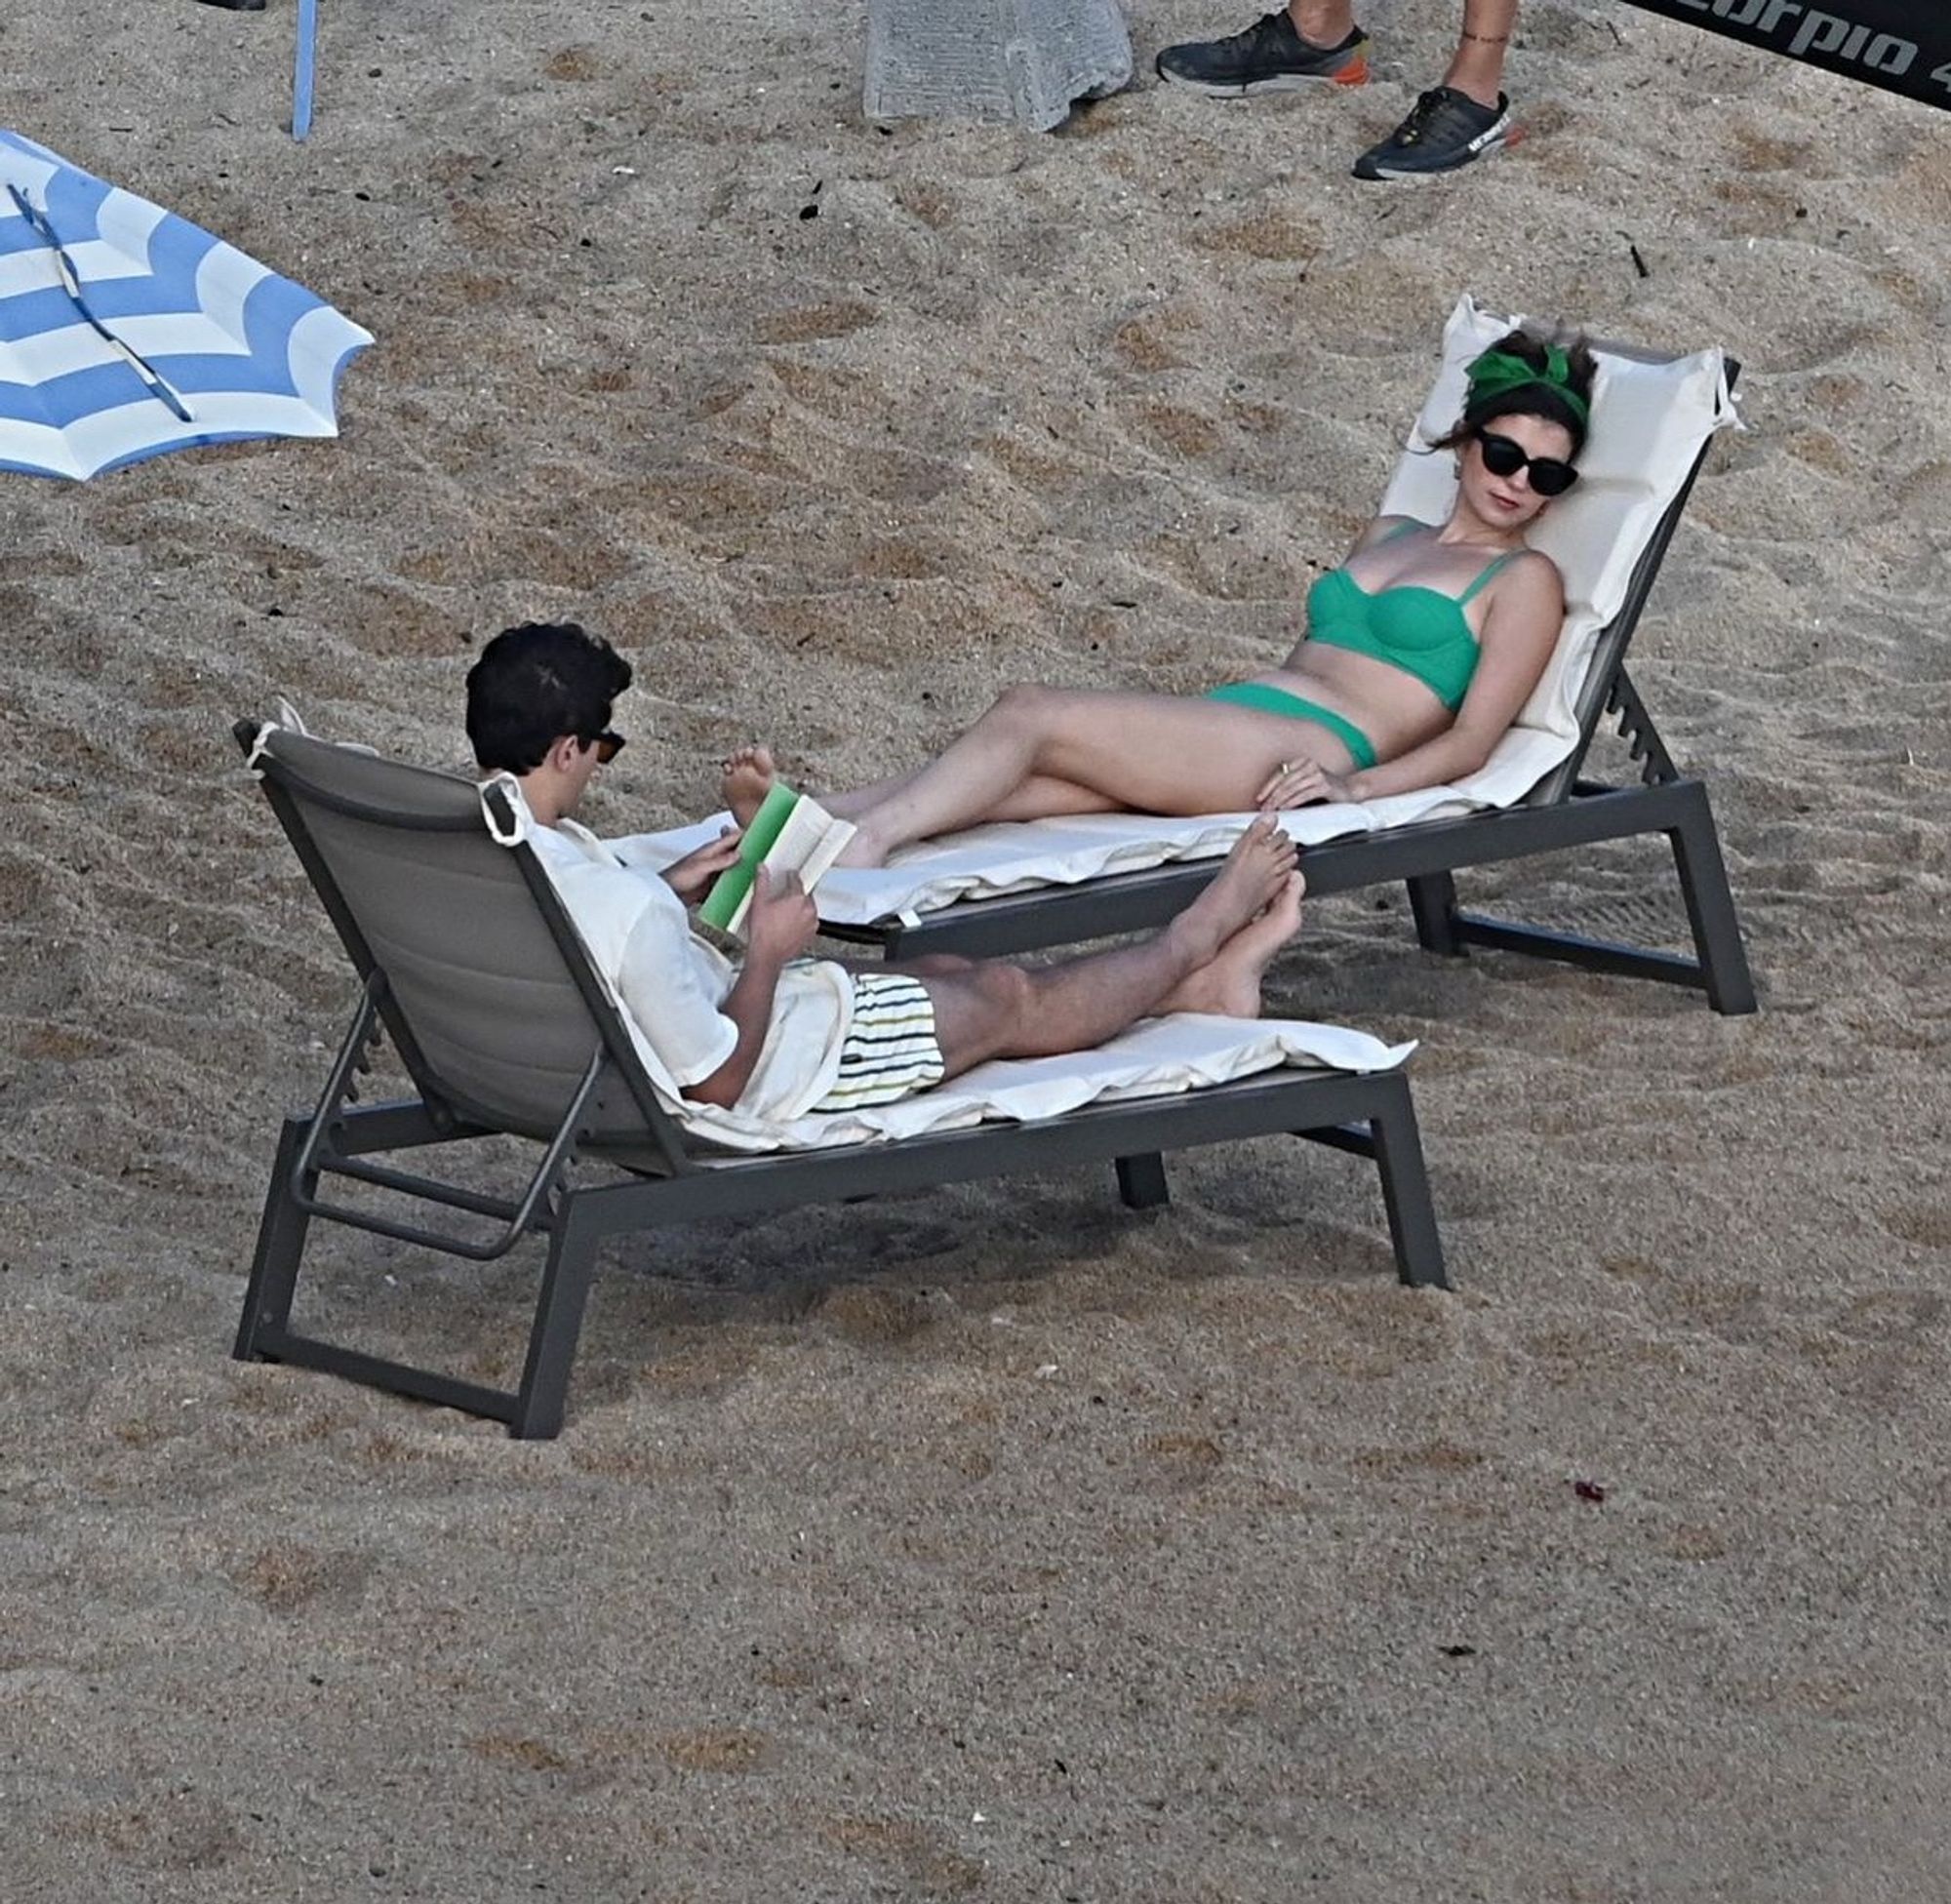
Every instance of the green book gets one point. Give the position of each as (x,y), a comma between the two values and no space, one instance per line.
(790,833)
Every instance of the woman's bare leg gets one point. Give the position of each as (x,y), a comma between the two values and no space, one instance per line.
(748,776)
(1144,753)
(1044,796)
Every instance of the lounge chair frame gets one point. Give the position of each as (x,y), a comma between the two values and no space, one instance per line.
(667,1181)
(1564,809)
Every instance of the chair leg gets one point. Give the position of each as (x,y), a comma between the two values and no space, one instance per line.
(1142,1181)
(1432,899)
(558,1324)
(281,1241)
(1405,1179)
(1710,911)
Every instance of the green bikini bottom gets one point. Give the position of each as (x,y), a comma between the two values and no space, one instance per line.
(1274,701)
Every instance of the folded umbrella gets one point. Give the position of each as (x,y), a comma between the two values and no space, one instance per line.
(125,331)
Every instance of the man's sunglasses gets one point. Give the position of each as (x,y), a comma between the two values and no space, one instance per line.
(607,744)
(1503,456)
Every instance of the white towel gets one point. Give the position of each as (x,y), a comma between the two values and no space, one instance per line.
(1156,1058)
(987,863)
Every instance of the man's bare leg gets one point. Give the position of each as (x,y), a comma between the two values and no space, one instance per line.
(1230,986)
(998,1010)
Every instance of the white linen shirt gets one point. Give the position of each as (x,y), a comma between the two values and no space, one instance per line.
(671,983)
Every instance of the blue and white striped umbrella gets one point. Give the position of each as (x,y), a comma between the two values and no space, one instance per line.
(125,331)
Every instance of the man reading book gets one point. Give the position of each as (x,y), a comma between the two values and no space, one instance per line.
(777,1034)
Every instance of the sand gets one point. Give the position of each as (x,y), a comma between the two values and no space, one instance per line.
(995,1544)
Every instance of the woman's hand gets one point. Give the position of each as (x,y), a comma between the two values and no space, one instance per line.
(1300,783)
(691,877)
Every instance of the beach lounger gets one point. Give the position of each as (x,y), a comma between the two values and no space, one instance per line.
(469,963)
(1008,888)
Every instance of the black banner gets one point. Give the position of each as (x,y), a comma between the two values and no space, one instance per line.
(1901,45)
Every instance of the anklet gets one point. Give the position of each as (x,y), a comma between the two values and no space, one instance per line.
(1487,39)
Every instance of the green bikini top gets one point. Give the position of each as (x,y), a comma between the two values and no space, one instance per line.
(1420,630)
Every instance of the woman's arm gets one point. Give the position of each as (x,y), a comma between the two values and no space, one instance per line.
(1524,614)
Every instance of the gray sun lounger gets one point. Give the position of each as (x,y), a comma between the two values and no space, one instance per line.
(1564,809)
(468,964)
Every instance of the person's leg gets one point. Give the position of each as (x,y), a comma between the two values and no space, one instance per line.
(748,776)
(1230,986)
(1299,44)
(1044,796)
(1465,118)
(1322,23)
(1477,67)
(994,1008)
(1144,753)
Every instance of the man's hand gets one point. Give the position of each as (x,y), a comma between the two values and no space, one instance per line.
(782,921)
(691,877)
(779,924)
(1300,783)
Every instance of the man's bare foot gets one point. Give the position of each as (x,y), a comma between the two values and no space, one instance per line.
(747,777)
(1230,985)
(1250,879)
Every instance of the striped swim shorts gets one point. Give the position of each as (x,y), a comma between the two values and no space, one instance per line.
(891,1052)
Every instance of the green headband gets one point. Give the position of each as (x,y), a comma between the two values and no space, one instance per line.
(1498,370)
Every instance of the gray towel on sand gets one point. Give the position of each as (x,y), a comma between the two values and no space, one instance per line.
(1026,60)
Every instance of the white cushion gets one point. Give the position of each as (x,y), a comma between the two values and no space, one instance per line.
(1158,1058)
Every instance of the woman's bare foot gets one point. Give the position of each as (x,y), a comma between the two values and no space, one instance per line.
(1230,985)
(747,777)
(1250,882)
(864,848)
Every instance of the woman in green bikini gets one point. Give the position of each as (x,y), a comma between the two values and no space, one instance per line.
(1419,652)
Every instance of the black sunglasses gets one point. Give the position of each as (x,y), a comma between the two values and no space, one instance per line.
(1505,456)
(607,744)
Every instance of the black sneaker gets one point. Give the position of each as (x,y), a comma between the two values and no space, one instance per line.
(1269,56)
(1445,129)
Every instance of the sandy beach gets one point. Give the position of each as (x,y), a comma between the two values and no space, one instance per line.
(998,1543)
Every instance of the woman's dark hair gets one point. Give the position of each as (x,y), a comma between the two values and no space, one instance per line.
(535,684)
(1544,397)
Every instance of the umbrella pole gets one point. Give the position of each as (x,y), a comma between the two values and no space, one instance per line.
(302,76)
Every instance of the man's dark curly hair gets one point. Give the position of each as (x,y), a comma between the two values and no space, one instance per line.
(535,684)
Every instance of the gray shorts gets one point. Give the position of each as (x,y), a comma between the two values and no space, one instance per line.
(891,1050)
